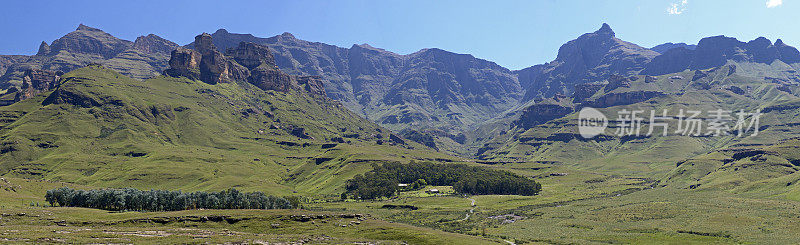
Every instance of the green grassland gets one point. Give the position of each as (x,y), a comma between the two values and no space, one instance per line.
(102,129)
(588,208)
(22,223)
(574,207)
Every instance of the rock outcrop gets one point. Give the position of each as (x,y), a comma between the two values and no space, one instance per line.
(247,62)
(270,78)
(252,55)
(44,48)
(585,90)
(184,62)
(311,84)
(624,98)
(540,113)
(205,63)
(37,81)
(616,81)
(214,66)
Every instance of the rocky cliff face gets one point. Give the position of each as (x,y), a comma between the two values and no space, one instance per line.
(312,84)
(716,51)
(592,57)
(623,98)
(585,90)
(214,66)
(37,81)
(205,63)
(299,57)
(247,62)
(252,55)
(34,82)
(542,112)
(184,62)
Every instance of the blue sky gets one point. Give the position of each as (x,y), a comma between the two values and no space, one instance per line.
(514,34)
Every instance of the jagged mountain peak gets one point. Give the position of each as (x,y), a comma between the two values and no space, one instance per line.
(605,29)
(590,57)
(287,35)
(82,27)
(89,40)
(44,48)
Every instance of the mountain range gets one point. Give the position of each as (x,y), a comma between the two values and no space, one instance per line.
(454,103)
(144,58)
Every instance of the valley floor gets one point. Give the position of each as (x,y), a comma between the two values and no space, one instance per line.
(574,207)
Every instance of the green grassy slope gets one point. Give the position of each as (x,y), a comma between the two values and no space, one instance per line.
(100,128)
(755,170)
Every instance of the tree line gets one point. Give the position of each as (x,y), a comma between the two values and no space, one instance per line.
(129,199)
(383,180)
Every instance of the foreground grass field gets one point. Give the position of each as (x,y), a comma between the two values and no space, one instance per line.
(77,225)
(575,207)
(22,221)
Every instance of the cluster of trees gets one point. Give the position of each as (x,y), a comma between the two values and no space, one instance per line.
(161,200)
(383,180)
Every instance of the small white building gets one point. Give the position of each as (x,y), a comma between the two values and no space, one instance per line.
(432,191)
(402,185)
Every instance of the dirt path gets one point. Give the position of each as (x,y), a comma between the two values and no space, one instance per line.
(471,211)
